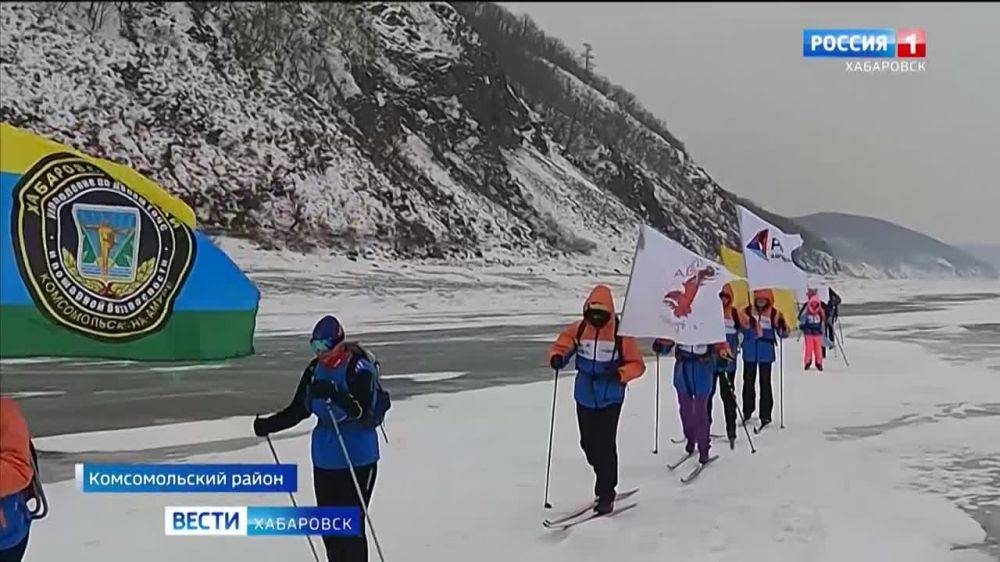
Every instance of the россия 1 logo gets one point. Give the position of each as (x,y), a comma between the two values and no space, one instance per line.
(875,43)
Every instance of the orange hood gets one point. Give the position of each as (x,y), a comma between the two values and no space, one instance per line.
(600,299)
(766,294)
(727,291)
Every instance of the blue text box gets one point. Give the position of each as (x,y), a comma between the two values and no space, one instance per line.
(187,478)
(330,521)
(849,43)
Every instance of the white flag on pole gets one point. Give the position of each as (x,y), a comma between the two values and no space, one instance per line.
(767,251)
(673,293)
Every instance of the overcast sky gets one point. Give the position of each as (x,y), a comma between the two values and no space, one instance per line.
(802,135)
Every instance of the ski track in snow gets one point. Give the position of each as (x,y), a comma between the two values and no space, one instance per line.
(887,460)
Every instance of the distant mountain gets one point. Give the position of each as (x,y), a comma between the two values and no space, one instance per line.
(870,247)
(989,253)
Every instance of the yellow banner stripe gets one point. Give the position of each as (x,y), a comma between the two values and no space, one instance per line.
(784,299)
(21,149)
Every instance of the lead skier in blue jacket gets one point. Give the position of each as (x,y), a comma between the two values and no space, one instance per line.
(340,381)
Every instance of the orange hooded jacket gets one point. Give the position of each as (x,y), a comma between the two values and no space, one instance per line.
(597,353)
(15,449)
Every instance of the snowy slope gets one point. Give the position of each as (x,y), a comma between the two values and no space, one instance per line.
(380,129)
(890,459)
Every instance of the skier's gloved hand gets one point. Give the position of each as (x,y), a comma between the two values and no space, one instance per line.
(556,361)
(343,399)
(662,347)
(260,427)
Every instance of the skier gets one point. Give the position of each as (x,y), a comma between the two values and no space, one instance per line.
(340,381)
(694,378)
(605,363)
(727,367)
(761,325)
(812,321)
(16,475)
(832,309)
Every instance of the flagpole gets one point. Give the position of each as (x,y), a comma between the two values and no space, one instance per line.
(635,254)
(656,410)
(628,289)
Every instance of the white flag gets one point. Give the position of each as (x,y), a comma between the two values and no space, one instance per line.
(673,293)
(767,252)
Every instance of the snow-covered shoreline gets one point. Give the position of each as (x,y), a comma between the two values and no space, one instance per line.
(371,295)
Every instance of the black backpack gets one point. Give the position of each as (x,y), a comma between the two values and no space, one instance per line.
(35,491)
(374,413)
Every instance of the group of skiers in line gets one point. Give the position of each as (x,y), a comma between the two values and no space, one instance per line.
(340,386)
(606,362)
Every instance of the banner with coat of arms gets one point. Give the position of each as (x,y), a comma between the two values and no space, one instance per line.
(673,293)
(98,260)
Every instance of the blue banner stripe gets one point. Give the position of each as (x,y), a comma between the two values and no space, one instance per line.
(12,289)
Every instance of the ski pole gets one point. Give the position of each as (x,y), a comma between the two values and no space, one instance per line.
(357,486)
(843,351)
(291,496)
(656,408)
(781,380)
(552,425)
(731,385)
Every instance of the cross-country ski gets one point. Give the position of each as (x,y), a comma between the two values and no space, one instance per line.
(697,470)
(590,516)
(673,466)
(584,509)
(681,440)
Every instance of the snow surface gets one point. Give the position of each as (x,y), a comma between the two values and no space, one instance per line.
(865,469)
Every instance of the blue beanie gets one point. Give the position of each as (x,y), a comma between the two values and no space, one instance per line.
(329,331)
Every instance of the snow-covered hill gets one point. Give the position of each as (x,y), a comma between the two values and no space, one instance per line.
(379,129)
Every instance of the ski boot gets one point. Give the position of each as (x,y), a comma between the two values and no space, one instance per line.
(604,506)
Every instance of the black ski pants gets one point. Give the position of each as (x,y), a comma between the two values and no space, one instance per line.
(726,385)
(335,488)
(598,438)
(750,370)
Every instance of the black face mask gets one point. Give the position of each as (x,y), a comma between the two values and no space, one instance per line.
(597,317)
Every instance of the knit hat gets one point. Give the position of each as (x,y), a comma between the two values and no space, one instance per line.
(327,333)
